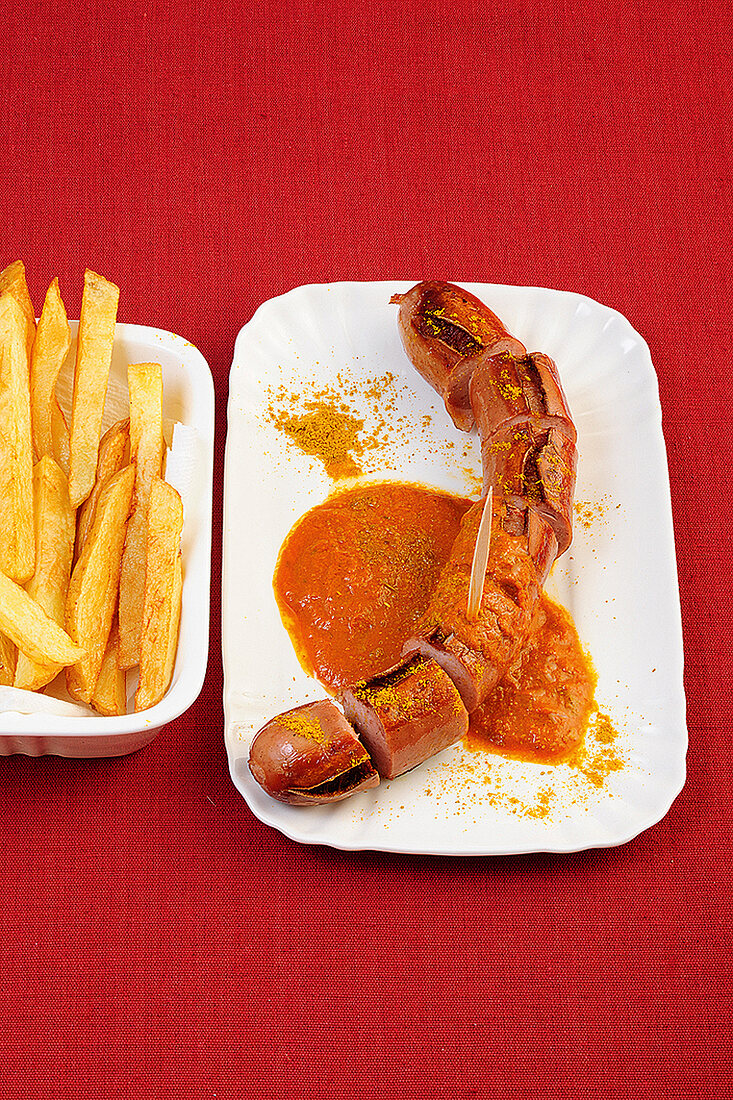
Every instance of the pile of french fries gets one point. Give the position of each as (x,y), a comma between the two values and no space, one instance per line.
(90,532)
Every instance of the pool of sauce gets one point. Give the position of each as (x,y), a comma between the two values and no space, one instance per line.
(356,573)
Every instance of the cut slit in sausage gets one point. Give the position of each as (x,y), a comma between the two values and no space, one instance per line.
(509,390)
(535,471)
(406,715)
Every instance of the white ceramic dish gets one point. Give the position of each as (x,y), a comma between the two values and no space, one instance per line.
(188,398)
(619,579)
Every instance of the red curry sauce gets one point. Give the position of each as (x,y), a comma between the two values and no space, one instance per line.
(356,573)
(541,708)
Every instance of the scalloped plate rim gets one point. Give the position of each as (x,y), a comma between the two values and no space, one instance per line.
(324,834)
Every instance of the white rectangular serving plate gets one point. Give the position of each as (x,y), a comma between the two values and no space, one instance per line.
(188,399)
(619,579)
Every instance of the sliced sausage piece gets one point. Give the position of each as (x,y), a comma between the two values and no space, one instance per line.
(542,544)
(311,755)
(406,715)
(467,668)
(556,463)
(456,393)
(536,471)
(476,652)
(444,330)
(508,390)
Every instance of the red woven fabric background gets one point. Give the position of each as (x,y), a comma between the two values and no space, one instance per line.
(155,939)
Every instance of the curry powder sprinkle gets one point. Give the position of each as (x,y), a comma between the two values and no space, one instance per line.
(328,433)
(596,762)
(303,724)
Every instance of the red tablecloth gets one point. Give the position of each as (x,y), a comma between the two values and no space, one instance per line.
(159,941)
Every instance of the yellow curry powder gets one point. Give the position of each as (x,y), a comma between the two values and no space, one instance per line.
(327,433)
(598,762)
(383,692)
(587,512)
(324,426)
(304,724)
(352,427)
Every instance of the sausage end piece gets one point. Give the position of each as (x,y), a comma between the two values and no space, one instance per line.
(311,755)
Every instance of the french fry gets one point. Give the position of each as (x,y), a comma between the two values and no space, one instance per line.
(94,583)
(163,591)
(113,455)
(54,526)
(145,381)
(12,281)
(91,375)
(8,658)
(17,541)
(29,627)
(110,693)
(50,348)
(60,437)
(175,624)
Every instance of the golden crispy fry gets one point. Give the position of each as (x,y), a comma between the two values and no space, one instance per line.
(113,455)
(93,358)
(29,627)
(60,437)
(17,542)
(93,589)
(54,523)
(51,346)
(12,281)
(145,381)
(8,658)
(110,693)
(175,624)
(132,588)
(163,590)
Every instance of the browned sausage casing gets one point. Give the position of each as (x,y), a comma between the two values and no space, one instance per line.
(508,390)
(311,755)
(534,471)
